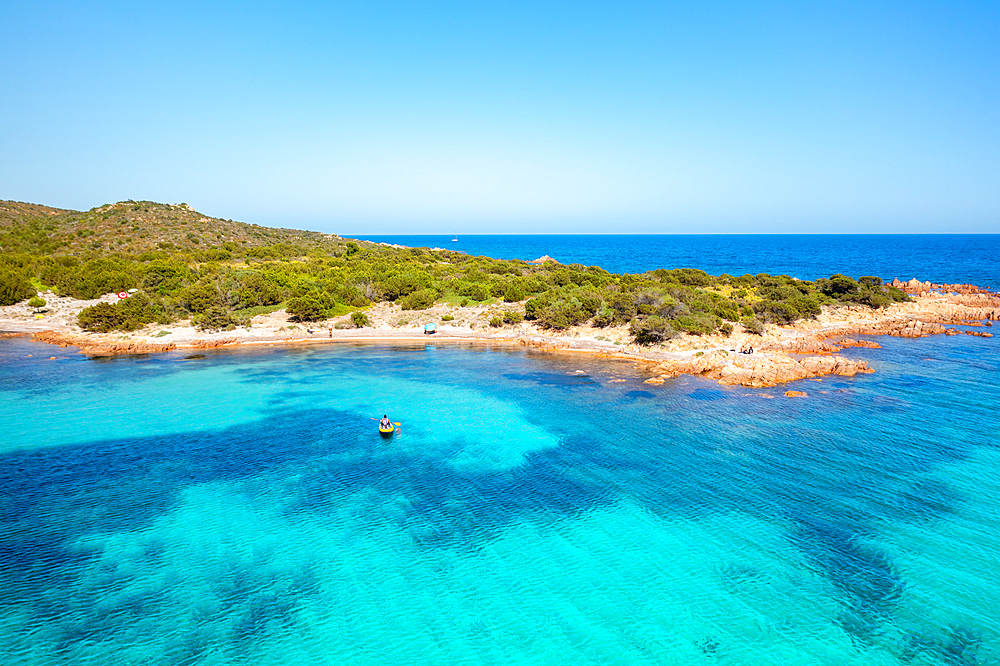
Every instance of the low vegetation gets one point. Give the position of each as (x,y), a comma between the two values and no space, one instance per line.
(218,273)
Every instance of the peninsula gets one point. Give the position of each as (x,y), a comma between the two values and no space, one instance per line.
(142,277)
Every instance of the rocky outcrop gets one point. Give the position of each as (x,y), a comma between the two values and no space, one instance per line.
(544,343)
(915,287)
(813,345)
(543,259)
(801,345)
(834,365)
(758,370)
(851,342)
(211,344)
(98,346)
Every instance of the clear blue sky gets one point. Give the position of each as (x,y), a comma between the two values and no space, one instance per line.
(511,117)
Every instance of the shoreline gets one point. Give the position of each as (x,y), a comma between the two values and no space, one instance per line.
(804,350)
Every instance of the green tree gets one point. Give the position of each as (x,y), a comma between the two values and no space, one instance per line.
(652,330)
(419,300)
(314,306)
(215,319)
(129,314)
(14,287)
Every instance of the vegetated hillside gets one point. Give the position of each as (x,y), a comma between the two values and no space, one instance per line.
(17,212)
(219,273)
(132,227)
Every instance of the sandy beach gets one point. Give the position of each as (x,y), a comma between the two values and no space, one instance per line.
(806,349)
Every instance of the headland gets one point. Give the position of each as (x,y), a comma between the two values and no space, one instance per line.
(808,348)
(139,277)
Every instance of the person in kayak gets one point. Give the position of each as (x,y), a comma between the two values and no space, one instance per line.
(385,423)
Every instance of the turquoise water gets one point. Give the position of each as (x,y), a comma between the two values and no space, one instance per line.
(533,509)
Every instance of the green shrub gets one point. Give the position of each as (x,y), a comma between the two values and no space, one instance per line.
(14,287)
(514,293)
(513,317)
(199,297)
(874,298)
(753,325)
(215,319)
(36,302)
(652,330)
(419,300)
(129,314)
(314,306)
(623,305)
(696,324)
(562,314)
(256,289)
(779,312)
(93,278)
(604,317)
(447,318)
(839,287)
(398,285)
(474,291)
(496,322)
(532,308)
(163,277)
(360,319)
(726,329)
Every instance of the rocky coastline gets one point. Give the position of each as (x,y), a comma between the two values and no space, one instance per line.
(807,349)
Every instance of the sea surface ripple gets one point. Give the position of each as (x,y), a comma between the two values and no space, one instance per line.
(533,509)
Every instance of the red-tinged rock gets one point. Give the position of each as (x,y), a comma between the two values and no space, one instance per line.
(96,346)
(850,342)
(834,365)
(796,394)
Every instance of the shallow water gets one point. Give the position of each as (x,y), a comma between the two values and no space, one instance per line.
(534,509)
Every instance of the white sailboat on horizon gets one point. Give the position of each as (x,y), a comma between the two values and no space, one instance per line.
(455,239)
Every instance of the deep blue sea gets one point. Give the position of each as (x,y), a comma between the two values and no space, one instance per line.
(964,258)
(239,507)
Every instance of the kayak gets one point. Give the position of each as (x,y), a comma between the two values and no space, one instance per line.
(387,432)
